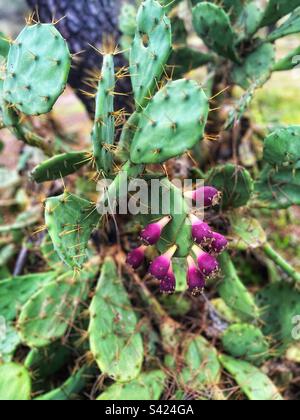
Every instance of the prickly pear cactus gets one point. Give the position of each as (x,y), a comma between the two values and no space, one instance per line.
(254,383)
(38,66)
(247,342)
(114,337)
(70,221)
(147,386)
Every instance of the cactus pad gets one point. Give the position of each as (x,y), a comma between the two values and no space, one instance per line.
(15,292)
(279,188)
(234,293)
(148,387)
(9,341)
(49,313)
(114,337)
(276,9)
(150,50)
(209,21)
(291,26)
(60,166)
(103,134)
(202,368)
(70,221)
(257,67)
(15,383)
(279,304)
(247,342)
(253,382)
(38,66)
(282,147)
(234,182)
(171,124)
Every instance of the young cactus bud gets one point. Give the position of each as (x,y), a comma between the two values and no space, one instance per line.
(195,280)
(208,265)
(218,244)
(152,233)
(168,284)
(136,257)
(209,196)
(161,265)
(202,233)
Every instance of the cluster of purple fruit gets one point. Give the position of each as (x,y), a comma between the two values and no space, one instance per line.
(208,245)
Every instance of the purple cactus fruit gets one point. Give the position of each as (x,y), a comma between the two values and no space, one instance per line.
(168,284)
(202,233)
(219,243)
(208,265)
(195,280)
(152,233)
(161,265)
(209,196)
(136,257)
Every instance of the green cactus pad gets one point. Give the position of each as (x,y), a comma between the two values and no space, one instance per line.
(246,232)
(49,313)
(38,66)
(103,134)
(60,166)
(279,188)
(15,383)
(146,387)
(50,255)
(280,305)
(172,123)
(234,182)
(9,341)
(276,9)
(253,382)
(257,67)
(70,389)
(289,62)
(202,368)
(282,147)
(15,292)
(209,21)
(150,50)
(234,293)
(114,337)
(247,342)
(70,221)
(249,20)
(291,26)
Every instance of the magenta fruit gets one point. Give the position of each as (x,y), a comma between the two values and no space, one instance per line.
(208,265)
(152,233)
(136,257)
(195,279)
(161,265)
(202,233)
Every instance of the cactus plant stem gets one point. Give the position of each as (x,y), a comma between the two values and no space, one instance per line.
(281,262)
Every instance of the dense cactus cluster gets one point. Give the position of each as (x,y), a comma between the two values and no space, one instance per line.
(60,318)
